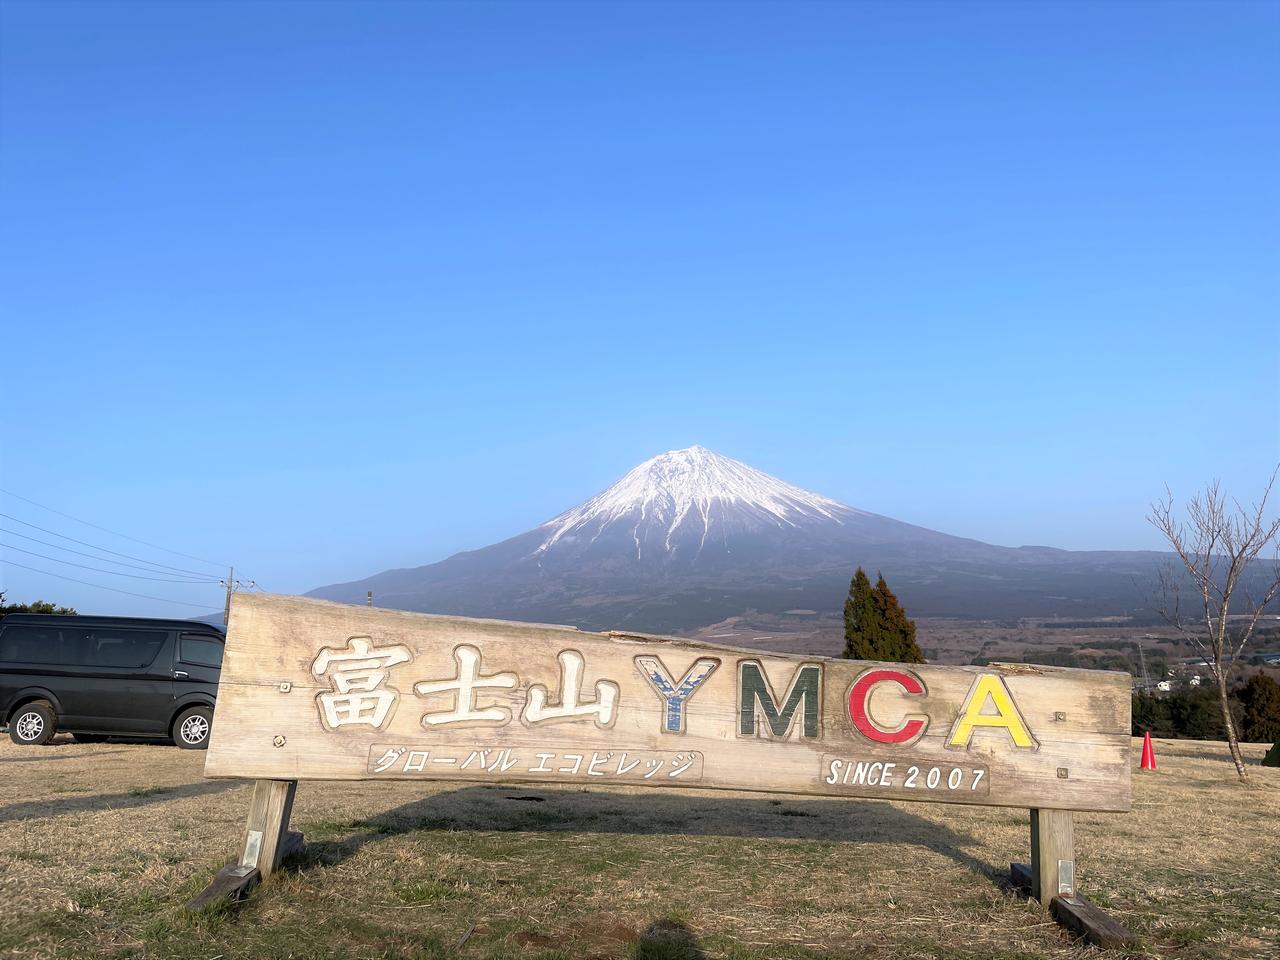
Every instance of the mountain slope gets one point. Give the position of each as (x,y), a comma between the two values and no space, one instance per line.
(691,537)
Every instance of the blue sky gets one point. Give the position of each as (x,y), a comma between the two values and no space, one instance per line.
(323,289)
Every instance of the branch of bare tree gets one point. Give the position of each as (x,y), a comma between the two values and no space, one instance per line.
(1219,549)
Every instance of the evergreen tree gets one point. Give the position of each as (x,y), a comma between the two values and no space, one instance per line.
(1196,716)
(861,620)
(1261,697)
(899,633)
(1152,714)
(875,625)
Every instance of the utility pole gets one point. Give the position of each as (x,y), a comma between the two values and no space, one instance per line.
(231,582)
(369,598)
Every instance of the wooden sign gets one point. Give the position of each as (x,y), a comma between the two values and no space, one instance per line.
(312,690)
(320,691)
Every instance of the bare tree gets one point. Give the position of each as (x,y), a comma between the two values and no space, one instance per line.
(1219,545)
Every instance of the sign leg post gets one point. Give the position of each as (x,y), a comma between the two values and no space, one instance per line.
(1053,858)
(1051,879)
(266,841)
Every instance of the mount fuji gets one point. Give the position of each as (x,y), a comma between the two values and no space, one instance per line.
(691,537)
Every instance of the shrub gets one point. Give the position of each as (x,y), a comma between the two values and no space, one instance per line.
(1272,759)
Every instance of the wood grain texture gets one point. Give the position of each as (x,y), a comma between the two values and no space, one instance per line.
(1052,855)
(266,839)
(1085,919)
(231,884)
(281,713)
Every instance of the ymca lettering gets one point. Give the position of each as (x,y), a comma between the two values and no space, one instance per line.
(362,696)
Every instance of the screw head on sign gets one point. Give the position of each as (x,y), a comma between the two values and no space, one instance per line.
(286,686)
(278,741)
(1060,716)
(1062,773)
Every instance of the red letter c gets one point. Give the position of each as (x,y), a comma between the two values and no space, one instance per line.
(861,693)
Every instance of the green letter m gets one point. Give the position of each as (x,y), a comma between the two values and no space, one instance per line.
(753,688)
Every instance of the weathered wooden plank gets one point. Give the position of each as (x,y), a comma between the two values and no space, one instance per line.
(234,882)
(1077,914)
(1085,919)
(314,690)
(231,884)
(1053,858)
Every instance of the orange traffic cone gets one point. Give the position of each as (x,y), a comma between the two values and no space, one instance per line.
(1148,752)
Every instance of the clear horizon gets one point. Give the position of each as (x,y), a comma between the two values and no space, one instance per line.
(327,289)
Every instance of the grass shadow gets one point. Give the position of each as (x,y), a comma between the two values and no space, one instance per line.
(497,809)
(47,807)
(40,758)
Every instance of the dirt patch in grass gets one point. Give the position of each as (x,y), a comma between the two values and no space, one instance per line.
(99,853)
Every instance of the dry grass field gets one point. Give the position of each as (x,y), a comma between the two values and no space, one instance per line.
(102,845)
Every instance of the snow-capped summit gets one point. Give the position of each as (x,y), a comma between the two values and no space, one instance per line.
(691,537)
(671,499)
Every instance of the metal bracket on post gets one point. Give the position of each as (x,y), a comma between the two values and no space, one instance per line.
(1066,878)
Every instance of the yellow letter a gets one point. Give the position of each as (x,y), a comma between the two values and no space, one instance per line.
(989,686)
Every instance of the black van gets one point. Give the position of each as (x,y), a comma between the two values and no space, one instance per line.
(108,676)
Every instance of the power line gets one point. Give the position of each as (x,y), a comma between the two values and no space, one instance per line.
(114,533)
(143,596)
(113,573)
(84,543)
(231,582)
(91,556)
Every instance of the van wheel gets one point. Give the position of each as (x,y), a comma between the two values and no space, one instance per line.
(33,724)
(192,728)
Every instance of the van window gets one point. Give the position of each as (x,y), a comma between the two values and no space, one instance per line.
(34,644)
(203,650)
(106,647)
(81,647)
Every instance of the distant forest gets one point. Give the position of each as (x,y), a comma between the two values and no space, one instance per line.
(1119,653)
(1194,713)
